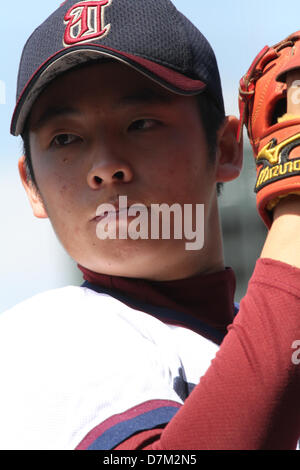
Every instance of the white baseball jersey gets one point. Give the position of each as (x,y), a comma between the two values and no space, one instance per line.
(79,366)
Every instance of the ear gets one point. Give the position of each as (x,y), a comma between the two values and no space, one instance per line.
(230,151)
(32,193)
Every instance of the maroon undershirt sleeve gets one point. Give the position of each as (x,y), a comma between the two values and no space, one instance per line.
(249,397)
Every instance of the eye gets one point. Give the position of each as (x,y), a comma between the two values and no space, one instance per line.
(63,140)
(143,124)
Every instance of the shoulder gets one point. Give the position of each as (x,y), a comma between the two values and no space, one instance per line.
(44,299)
(76,327)
(75,319)
(75,358)
(67,304)
(78,359)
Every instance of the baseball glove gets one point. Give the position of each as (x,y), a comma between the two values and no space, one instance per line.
(274,135)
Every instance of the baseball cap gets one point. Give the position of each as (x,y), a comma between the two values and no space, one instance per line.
(151,36)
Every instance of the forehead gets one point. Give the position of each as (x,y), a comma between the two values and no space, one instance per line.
(98,83)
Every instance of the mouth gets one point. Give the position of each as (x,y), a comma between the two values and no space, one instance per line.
(120,214)
(109,215)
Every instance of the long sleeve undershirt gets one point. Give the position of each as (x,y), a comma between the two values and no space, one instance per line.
(249,397)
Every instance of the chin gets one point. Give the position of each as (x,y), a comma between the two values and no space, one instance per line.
(145,259)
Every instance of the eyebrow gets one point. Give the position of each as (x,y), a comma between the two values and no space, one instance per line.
(145,96)
(53,112)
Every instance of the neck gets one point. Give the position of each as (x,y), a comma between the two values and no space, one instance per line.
(210,259)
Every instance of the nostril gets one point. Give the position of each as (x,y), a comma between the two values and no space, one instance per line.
(98,180)
(119,175)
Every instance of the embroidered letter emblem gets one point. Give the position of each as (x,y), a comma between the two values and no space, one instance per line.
(85,22)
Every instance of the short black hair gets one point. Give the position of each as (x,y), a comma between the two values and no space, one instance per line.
(27,153)
(212,119)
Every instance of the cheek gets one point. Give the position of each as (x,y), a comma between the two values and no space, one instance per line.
(182,170)
(64,211)
(56,177)
(60,198)
(56,186)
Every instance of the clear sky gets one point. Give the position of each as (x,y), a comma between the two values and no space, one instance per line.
(31,258)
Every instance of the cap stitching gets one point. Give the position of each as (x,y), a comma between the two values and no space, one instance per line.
(177,16)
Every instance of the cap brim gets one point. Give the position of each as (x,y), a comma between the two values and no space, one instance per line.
(69,58)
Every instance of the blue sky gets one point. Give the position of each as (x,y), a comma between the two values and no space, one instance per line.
(31,258)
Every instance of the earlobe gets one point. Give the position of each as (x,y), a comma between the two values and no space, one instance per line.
(32,193)
(230,152)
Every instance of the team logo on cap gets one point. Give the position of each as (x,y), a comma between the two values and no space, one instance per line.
(85,22)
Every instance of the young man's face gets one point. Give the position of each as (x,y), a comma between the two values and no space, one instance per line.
(105,131)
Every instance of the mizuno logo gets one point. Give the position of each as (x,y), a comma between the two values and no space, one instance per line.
(274,164)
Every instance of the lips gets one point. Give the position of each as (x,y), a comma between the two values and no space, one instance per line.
(119,213)
(111,215)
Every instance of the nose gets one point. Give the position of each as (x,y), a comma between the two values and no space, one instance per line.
(109,172)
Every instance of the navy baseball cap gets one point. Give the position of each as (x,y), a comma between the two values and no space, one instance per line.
(151,36)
